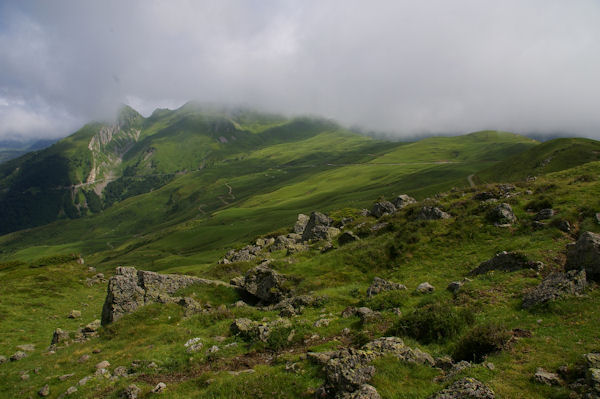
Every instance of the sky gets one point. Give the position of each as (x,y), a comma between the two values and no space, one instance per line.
(405,68)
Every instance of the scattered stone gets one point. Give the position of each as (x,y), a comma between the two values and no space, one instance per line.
(152,365)
(490,366)
(103,365)
(242,326)
(160,387)
(556,286)
(502,215)
(563,225)
(432,213)
(265,284)
(130,289)
(367,315)
(120,371)
(317,227)
(403,200)
(327,247)
(347,237)
(455,286)
(300,223)
(60,337)
(131,392)
(349,312)
(585,254)
(321,323)
(592,360)
(71,390)
(380,285)
(75,314)
(84,380)
(425,288)
(466,388)
(96,351)
(3,359)
(193,345)
(24,377)
(213,349)
(396,346)
(542,376)
(18,355)
(544,214)
(365,391)
(65,377)
(379,226)
(382,208)
(26,347)
(239,372)
(320,357)
(44,391)
(507,262)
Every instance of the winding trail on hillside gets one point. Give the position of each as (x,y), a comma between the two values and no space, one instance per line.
(470,180)
(230,191)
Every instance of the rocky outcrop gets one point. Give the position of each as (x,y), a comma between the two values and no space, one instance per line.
(130,289)
(544,377)
(425,288)
(252,330)
(382,208)
(556,286)
(466,388)
(585,255)
(507,262)
(380,285)
(348,371)
(502,214)
(264,284)
(432,213)
(301,223)
(544,214)
(319,228)
(403,200)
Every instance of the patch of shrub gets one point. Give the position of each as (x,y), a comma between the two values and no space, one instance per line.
(385,300)
(433,323)
(539,203)
(53,260)
(481,341)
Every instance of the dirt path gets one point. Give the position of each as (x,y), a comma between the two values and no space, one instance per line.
(230,191)
(470,180)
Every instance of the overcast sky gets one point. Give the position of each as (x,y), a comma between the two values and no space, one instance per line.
(404,67)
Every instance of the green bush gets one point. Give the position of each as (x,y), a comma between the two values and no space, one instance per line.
(385,300)
(481,341)
(539,203)
(433,323)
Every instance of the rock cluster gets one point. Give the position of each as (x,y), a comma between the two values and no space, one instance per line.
(502,215)
(253,330)
(585,255)
(466,388)
(264,284)
(382,208)
(432,213)
(507,262)
(130,289)
(555,286)
(403,200)
(319,227)
(380,285)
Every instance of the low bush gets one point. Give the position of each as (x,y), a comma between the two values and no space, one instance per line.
(482,340)
(385,300)
(433,323)
(539,203)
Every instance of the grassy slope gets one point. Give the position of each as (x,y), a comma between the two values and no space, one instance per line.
(550,156)
(560,333)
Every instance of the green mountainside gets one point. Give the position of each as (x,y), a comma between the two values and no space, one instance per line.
(178,191)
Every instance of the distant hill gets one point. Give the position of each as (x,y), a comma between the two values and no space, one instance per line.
(551,156)
(10,149)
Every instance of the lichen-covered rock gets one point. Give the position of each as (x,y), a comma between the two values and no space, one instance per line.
(130,289)
(432,213)
(301,223)
(242,326)
(556,286)
(367,315)
(425,288)
(131,392)
(44,391)
(382,208)
(542,376)
(455,286)
(366,391)
(507,262)
(396,346)
(502,214)
(403,200)
(585,254)
(348,370)
(265,284)
(60,336)
(466,388)
(380,285)
(347,237)
(317,227)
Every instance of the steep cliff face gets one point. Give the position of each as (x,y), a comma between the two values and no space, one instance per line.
(109,145)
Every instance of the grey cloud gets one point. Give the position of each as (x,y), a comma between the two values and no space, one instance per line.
(402,67)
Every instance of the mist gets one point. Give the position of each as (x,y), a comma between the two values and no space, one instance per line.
(402,68)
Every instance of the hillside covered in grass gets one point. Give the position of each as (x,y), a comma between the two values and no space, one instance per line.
(477,328)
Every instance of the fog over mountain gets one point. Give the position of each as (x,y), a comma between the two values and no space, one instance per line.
(402,67)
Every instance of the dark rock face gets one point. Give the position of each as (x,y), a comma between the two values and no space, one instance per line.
(556,286)
(403,200)
(585,254)
(347,237)
(545,214)
(130,289)
(380,285)
(502,215)
(432,213)
(381,208)
(507,262)
(466,388)
(318,228)
(265,284)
